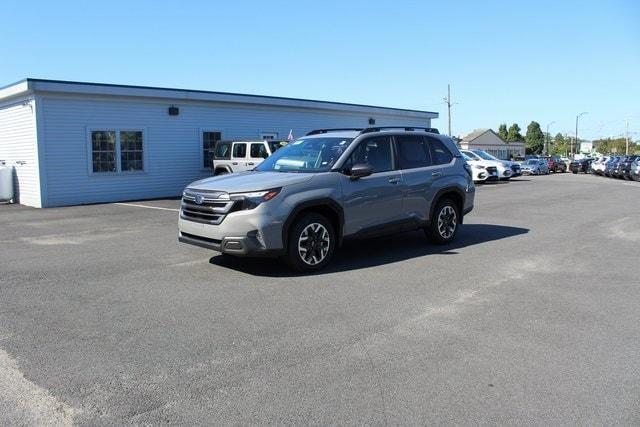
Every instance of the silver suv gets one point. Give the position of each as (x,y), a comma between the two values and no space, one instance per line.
(302,201)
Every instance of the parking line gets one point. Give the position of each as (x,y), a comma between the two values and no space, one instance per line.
(147,207)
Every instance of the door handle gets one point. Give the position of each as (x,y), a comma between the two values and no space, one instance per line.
(436,174)
(394,180)
(250,164)
(234,163)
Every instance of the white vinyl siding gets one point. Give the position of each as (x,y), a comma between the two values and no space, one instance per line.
(173,145)
(18,148)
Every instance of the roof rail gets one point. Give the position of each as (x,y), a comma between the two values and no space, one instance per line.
(319,131)
(406,128)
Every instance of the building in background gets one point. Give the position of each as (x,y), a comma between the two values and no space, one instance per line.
(487,140)
(75,143)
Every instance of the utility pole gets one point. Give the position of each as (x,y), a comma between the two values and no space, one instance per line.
(547,139)
(627,138)
(447,101)
(577,118)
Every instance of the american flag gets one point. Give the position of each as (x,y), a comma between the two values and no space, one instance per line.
(290,136)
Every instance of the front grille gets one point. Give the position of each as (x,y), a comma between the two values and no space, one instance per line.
(210,211)
(515,168)
(492,169)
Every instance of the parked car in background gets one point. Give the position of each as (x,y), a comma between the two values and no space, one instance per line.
(504,167)
(617,171)
(481,170)
(610,165)
(599,164)
(240,156)
(580,165)
(626,167)
(556,164)
(535,166)
(635,169)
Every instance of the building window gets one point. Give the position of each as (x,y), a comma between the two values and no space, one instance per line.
(115,150)
(131,151)
(209,140)
(103,151)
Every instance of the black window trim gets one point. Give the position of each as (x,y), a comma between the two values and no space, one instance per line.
(118,149)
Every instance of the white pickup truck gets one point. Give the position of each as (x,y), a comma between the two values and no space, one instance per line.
(239,156)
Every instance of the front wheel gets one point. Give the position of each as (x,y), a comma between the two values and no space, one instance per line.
(312,242)
(444,225)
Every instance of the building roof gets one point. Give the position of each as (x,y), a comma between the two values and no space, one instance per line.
(476,134)
(30,85)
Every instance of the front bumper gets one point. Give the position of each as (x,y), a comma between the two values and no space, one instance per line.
(240,246)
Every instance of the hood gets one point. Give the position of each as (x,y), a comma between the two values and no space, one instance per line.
(249,181)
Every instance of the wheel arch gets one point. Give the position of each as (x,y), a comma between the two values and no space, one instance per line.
(324,206)
(452,193)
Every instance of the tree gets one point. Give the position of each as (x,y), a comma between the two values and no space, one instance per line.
(559,145)
(534,138)
(513,134)
(502,132)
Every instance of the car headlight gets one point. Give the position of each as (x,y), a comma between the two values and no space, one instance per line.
(253,199)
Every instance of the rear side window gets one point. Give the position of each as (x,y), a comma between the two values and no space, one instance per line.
(222,150)
(240,150)
(439,153)
(413,152)
(258,151)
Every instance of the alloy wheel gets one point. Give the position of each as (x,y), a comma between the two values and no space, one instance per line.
(447,222)
(313,244)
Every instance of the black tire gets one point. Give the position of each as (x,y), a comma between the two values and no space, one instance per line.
(294,256)
(575,172)
(439,232)
(220,172)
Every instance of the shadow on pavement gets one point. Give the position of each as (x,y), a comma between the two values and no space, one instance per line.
(356,254)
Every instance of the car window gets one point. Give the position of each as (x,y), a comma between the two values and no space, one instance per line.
(258,151)
(376,152)
(440,154)
(222,150)
(413,152)
(240,149)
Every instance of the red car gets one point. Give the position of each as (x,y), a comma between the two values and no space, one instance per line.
(555,164)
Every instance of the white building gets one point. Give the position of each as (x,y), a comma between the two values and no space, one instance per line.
(74,143)
(489,141)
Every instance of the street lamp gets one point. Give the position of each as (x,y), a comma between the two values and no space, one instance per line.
(547,139)
(577,118)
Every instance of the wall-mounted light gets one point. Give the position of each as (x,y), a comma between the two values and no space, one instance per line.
(372,121)
(174,111)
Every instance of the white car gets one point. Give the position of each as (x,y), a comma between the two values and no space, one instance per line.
(504,167)
(481,172)
(493,166)
(598,166)
(240,156)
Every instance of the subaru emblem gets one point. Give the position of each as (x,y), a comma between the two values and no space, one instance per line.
(199,199)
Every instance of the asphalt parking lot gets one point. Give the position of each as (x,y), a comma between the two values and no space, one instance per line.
(531,317)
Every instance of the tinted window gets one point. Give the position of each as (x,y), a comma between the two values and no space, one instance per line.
(413,152)
(439,153)
(240,150)
(258,151)
(223,150)
(376,152)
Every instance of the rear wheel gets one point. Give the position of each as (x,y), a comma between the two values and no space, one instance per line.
(220,172)
(311,243)
(444,225)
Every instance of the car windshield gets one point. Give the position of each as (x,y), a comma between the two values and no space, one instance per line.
(531,162)
(306,155)
(485,155)
(470,155)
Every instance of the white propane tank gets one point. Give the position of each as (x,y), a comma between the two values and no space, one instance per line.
(6,182)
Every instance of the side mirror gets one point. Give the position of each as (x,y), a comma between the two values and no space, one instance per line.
(360,170)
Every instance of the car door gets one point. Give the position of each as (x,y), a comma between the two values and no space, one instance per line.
(239,157)
(375,200)
(419,173)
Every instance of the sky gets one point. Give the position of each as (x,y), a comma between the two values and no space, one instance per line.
(506,61)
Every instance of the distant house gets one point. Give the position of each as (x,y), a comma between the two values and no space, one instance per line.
(489,141)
